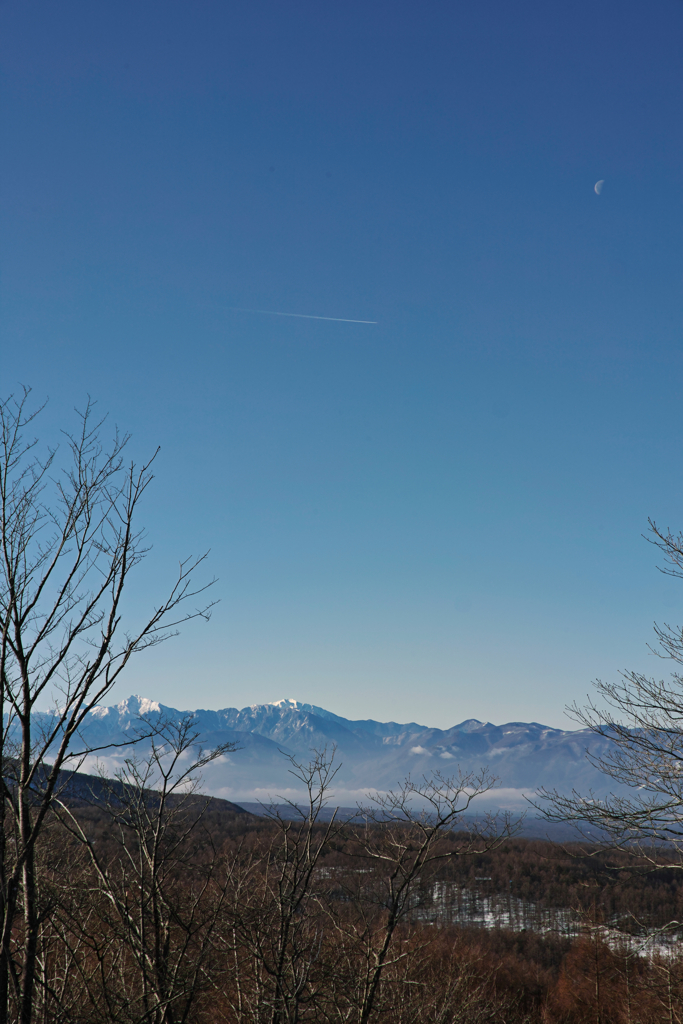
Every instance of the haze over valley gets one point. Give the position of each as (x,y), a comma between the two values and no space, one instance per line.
(371,755)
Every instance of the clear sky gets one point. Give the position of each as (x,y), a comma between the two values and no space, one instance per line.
(432,517)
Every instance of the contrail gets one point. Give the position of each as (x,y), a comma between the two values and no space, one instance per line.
(303,316)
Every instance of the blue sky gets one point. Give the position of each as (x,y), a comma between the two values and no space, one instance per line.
(434,517)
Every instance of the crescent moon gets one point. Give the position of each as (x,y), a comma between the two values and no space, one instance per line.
(598,186)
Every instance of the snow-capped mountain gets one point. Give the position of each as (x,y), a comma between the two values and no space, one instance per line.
(372,755)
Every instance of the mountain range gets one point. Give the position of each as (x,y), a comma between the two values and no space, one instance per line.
(371,755)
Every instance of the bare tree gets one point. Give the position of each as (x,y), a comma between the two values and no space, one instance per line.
(274,936)
(642,718)
(69,544)
(156,896)
(405,836)
(323,910)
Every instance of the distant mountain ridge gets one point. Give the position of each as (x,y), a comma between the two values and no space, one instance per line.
(372,755)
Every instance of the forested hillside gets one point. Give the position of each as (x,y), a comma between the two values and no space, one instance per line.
(191,909)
